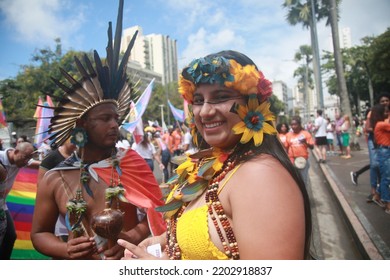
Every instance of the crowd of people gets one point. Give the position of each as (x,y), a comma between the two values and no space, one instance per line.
(324,134)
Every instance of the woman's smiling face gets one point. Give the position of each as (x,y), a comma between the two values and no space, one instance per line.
(213,119)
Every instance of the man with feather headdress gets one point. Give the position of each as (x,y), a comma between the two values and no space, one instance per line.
(102,193)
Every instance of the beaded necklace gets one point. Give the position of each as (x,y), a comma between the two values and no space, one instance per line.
(217,214)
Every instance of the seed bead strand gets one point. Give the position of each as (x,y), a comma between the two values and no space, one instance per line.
(172,248)
(217,212)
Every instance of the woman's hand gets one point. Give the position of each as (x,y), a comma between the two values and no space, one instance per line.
(137,252)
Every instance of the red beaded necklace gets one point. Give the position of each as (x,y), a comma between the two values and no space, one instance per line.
(216,212)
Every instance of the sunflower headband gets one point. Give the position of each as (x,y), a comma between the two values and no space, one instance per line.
(256,118)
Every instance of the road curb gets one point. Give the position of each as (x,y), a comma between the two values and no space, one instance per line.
(360,234)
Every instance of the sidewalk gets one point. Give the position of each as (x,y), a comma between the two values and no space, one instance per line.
(369,224)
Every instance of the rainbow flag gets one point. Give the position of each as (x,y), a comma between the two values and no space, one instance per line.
(43,115)
(20,202)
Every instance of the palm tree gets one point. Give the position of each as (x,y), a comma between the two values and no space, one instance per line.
(344,99)
(307,14)
(361,54)
(304,54)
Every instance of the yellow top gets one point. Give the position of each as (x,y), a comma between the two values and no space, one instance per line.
(192,233)
(193,236)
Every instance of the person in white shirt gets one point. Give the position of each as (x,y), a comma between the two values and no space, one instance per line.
(330,135)
(188,144)
(12,160)
(147,151)
(321,142)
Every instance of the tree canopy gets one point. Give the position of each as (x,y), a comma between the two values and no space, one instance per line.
(364,64)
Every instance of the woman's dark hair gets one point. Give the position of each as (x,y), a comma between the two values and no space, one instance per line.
(279,127)
(145,140)
(377,114)
(383,94)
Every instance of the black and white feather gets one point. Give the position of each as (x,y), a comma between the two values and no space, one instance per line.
(106,82)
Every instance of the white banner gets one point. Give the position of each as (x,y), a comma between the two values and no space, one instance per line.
(265,269)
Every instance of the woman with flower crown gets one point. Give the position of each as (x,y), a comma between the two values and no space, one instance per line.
(239,197)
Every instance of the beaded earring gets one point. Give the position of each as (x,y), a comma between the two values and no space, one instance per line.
(79,137)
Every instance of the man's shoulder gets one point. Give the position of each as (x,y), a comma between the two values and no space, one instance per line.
(4,157)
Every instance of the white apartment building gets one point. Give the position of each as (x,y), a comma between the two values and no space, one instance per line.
(345,38)
(279,89)
(154,52)
(305,104)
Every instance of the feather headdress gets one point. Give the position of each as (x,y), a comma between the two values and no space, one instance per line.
(104,83)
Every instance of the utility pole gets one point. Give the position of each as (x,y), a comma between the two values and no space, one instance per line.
(169,118)
(162,115)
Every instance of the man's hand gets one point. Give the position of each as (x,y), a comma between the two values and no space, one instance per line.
(114,253)
(81,248)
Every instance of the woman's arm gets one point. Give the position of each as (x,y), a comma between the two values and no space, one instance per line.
(267,208)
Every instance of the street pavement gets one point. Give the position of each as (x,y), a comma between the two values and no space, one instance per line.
(367,223)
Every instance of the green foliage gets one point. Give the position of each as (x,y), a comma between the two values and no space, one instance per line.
(299,12)
(277,106)
(20,95)
(369,60)
(304,54)
(379,61)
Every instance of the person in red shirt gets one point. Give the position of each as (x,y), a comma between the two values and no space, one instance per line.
(381,125)
(177,139)
(297,143)
(168,139)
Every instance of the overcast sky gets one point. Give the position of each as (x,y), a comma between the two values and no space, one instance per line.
(255,27)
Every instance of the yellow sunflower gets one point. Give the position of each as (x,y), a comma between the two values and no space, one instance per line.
(254,121)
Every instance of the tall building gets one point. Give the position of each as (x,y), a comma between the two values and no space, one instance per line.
(304,104)
(154,52)
(345,38)
(279,89)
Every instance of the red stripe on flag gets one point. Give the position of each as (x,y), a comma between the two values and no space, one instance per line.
(22,226)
